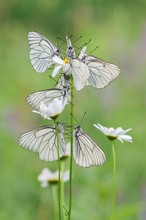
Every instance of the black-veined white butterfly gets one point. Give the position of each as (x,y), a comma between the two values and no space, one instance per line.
(41,52)
(101,72)
(47,96)
(78,69)
(86,152)
(43,141)
(62,89)
(70,52)
(63,82)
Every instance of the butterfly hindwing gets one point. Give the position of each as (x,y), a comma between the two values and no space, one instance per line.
(86,152)
(43,141)
(101,72)
(80,73)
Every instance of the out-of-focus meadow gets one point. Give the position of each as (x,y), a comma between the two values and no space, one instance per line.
(119,29)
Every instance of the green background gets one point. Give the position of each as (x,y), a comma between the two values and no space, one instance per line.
(118,28)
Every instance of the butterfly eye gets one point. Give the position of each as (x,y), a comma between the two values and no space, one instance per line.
(58,51)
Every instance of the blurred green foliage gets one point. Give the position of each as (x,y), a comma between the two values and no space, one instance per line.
(119,29)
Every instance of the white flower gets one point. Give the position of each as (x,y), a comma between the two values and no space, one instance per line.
(67,152)
(46,176)
(61,64)
(53,110)
(113,134)
(76,67)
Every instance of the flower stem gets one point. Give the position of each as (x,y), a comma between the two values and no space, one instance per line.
(62,189)
(71,144)
(55,201)
(114,181)
(59,169)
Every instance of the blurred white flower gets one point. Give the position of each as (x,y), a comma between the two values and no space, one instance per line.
(67,152)
(46,176)
(53,110)
(113,134)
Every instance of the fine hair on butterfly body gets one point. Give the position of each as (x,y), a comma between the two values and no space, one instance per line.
(43,141)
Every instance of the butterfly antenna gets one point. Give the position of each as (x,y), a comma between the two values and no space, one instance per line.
(53,79)
(74,118)
(77,39)
(93,50)
(60,45)
(83,118)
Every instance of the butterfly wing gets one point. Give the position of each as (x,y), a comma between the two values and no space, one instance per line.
(43,141)
(86,152)
(101,73)
(63,81)
(41,52)
(80,73)
(45,96)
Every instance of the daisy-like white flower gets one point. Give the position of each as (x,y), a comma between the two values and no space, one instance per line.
(46,177)
(112,134)
(53,109)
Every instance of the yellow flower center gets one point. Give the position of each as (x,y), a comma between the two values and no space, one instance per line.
(66,60)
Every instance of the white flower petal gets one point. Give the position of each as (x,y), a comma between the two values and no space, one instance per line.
(118,133)
(58,60)
(66,176)
(56,70)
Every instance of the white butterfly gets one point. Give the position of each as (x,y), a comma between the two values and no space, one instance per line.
(47,96)
(70,52)
(101,72)
(42,52)
(63,82)
(86,152)
(80,73)
(43,140)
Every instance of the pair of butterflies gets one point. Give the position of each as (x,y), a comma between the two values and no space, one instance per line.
(43,141)
(86,69)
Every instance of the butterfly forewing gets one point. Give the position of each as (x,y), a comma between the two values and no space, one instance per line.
(41,52)
(43,140)
(86,152)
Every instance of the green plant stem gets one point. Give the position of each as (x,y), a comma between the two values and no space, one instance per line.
(62,188)
(59,169)
(55,201)
(114,181)
(71,145)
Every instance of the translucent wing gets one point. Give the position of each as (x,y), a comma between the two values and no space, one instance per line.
(43,141)
(101,72)
(80,73)
(41,52)
(86,152)
(63,81)
(46,96)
